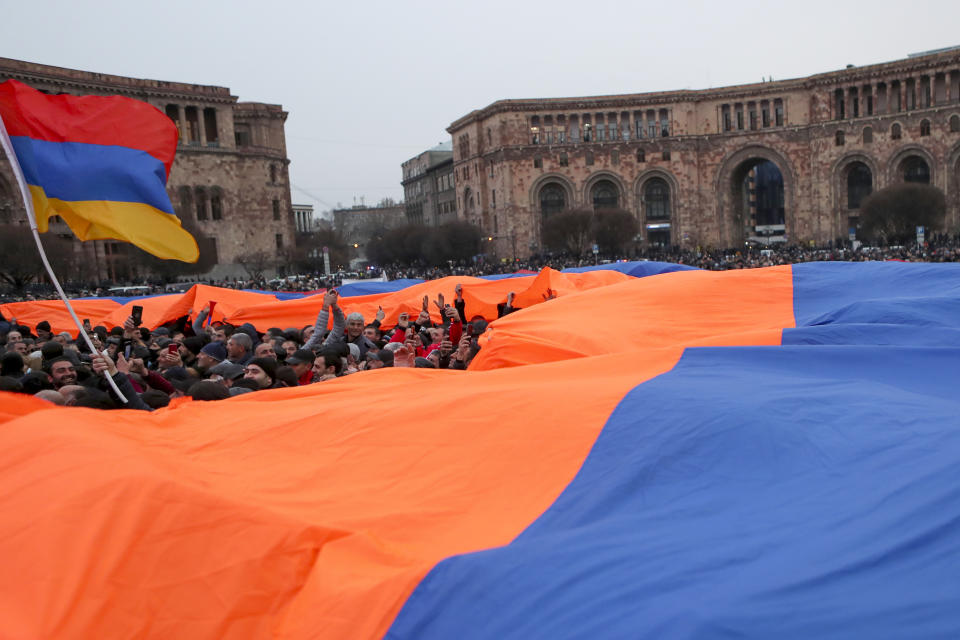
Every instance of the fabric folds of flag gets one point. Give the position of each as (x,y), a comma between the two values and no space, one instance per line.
(101,164)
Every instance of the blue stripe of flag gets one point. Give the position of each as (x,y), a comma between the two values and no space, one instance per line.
(78,171)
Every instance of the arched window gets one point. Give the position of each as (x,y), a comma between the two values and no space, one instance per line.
(839,138)
(186,201)
(468,199)
(954,123)
(895,132)
(201,196)
(916,169)
(656,199)
(859,184)
(216,205)
(867,135)
(605,195)
(553,199)
(924,127)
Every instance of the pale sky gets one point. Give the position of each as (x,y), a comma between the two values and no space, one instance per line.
(371,84)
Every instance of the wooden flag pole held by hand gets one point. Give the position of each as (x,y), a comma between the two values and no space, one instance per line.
(28,203)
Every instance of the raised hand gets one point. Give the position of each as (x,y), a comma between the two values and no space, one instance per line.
(404,357)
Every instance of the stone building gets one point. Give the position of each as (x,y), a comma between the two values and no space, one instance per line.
(229,180)
(428,186)
(788,160)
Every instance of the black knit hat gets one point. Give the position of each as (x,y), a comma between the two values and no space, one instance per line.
(269,366)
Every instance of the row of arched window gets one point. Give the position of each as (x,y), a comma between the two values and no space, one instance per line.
(655,195)
(896,131)
(205,203)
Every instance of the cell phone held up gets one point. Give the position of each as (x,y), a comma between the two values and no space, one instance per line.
(173,349)
(137,315)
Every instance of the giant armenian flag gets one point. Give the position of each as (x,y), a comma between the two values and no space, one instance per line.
(770,453)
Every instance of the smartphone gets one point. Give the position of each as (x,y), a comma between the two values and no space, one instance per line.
(137,315)
(173,349)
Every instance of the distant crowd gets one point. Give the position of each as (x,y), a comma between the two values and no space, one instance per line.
(937,248)
(214,361)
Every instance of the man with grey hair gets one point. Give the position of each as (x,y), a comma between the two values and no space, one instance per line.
(239,348)
(349,329)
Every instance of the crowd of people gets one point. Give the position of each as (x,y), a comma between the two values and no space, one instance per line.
(937,248)
(214,360)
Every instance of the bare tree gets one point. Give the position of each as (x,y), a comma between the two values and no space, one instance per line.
(893,214)
(255,263)
(570,231)
(20,263)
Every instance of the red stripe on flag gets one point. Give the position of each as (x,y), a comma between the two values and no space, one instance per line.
(105,120)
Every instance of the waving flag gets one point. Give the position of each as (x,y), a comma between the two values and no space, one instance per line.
(752,454)
(100,163)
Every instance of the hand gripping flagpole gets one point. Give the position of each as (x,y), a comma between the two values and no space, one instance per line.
(31,216)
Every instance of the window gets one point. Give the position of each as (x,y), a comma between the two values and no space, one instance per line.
(915,169)
(656,198)
(563,160)
(778,112)
(276,209)
(605,195)
(489,137)
(739,118)
(765,114)
(534,135)
(725,112)
(493,198)
(839,139)
(241,134)
(641,155)
(210,127)
(279,238)
(753,118)
(173,112)
(840,105)
(859,184)
(924,127)
(895,131)
(193,126)
(216,206)
(652,123)
(867,135)
(601,131)
(954,123)
(186,201)
(666,155)
(537,162)
(587,132)
(589,158)
(664,123)
(201,196)
(273,174)
(615,157)
(553,199)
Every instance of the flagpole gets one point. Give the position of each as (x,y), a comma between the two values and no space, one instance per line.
(32,218)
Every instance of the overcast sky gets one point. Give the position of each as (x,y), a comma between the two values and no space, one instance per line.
(371,84)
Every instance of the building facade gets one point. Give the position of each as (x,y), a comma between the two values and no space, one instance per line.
(428,187)
(776,161)
(303,217)
(229,180)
